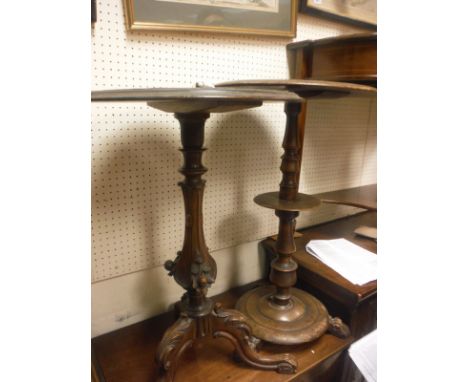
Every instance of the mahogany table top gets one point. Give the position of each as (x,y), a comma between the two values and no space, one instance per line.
(194,100)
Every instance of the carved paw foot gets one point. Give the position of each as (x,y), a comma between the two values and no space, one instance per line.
(337,327)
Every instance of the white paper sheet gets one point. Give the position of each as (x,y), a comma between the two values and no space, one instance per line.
(354,263)
(364,354)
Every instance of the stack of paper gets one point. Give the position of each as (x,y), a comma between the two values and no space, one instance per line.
(364,354)
(354,263)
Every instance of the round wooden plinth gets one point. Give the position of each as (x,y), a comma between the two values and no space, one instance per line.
(303,320)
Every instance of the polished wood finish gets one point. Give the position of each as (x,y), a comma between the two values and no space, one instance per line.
(282,314)
(350,58)
(194,269)
(126,355)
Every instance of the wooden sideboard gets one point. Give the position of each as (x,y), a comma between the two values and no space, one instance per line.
(346,58)
(127,355)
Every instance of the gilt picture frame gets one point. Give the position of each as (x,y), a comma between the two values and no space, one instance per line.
(256,17)
(361,13)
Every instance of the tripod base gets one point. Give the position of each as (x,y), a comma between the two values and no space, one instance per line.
(304,319)
(220,323)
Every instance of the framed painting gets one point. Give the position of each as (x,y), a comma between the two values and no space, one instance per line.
(93,11)
(259,17)
(358,12)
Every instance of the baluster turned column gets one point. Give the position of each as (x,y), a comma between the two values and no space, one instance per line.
(283,267)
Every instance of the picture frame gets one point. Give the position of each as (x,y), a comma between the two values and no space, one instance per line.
(361,13)
(253,17)
(93,12)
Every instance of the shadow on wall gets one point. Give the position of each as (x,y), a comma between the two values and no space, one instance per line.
(132,188)
(137,206)
(238,174)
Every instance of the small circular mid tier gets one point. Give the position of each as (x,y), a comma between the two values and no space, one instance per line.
(302,202)
(304,88)
(303,320)
(196,100)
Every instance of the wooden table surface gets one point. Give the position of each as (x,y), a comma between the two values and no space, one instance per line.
(127,355)
(196,100)
(305,88)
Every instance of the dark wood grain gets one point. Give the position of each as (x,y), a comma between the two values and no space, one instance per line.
(127,355)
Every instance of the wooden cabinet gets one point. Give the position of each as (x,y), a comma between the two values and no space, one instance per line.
(350,58)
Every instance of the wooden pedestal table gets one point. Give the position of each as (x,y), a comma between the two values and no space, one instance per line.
(194,269)
(279,313)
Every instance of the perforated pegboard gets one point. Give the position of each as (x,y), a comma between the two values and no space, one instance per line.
(137,208)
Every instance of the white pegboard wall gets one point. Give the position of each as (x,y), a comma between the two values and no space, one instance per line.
(137,207)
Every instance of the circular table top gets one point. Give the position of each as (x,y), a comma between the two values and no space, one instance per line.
(194,100)
(304,88)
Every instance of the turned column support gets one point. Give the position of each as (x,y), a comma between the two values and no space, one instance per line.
(193,269)
(280,313)
(283,267)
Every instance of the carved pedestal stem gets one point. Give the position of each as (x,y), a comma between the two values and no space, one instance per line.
(195,270)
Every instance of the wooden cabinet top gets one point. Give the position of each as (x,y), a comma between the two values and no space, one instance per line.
(342,39)
(348,58)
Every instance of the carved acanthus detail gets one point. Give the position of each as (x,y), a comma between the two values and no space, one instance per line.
(202,275)
(235,319)
(174,339)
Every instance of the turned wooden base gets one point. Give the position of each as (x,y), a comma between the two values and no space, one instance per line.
(220,323)
(303,319)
